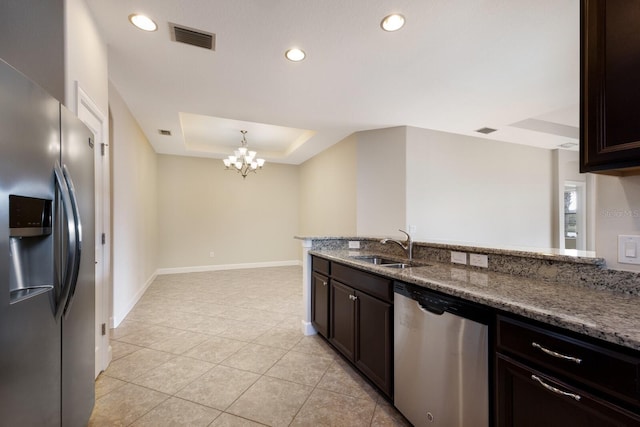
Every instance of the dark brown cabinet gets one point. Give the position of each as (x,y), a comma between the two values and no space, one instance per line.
(360,318)
(321,268)
(320,303)
(547,378)
(343,319)
(361,329)
(528,398)
(610,88)
(374,349)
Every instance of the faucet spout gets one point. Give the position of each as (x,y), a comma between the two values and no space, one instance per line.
(407,245)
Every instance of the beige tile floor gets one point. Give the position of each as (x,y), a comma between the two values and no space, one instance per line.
(225,348)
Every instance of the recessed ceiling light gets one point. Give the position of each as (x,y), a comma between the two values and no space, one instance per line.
(295,54)
(143,22)
(392,22)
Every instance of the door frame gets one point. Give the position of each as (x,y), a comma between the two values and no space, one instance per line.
(89,113)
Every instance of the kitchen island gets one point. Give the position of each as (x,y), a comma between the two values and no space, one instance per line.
(540,300)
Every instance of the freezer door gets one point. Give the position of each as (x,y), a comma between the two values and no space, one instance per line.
(78,320)
(29,334)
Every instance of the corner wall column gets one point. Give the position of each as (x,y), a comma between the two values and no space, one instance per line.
(307,327)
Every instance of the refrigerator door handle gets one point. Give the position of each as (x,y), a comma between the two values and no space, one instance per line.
(78,236)
(71,242)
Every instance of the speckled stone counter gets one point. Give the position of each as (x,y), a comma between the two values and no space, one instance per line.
(583,306)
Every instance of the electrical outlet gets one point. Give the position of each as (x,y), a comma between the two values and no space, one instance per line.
(459,257)
(212,254)
(413,229)
(354,244)
(479,260)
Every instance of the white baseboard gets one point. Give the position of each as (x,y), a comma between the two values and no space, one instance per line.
(119,317)
(308,329)
(197,269)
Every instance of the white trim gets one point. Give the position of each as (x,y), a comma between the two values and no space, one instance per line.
(89,112)
(307,327)
(119,317)
(198,269)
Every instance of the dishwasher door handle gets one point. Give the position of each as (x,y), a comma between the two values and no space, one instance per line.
(427,308)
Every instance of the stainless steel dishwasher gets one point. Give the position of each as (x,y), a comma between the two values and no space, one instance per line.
(441,366)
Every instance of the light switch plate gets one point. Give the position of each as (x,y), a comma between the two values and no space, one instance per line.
(354,244)
(628,249)
(459,257)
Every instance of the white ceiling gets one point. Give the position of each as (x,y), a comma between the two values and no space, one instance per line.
(456,66)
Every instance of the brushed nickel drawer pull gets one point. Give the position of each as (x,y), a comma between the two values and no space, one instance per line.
(555,390)
(555,354)
(324,283)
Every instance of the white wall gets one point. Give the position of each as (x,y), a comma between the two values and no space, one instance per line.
(475,190)
(204,208)
(85,57)
(135,209)
(328,191)
(381,182)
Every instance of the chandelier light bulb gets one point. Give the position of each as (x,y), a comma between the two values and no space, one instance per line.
(243,160)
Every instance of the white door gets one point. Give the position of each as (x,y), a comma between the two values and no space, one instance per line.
(91,115)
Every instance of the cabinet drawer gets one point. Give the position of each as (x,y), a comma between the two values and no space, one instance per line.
(321,265)
(597,366)
(527,397)
(370,283)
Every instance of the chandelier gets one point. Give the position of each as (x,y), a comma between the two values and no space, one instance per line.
(243,161)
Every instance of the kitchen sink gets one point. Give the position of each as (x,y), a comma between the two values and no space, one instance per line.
(372,259)
(398,265)
(385,262)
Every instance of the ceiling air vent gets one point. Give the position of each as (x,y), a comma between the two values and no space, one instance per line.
(193,37)
(486,130)
(164,132)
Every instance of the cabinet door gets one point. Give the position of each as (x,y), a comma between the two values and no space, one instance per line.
(320,304)
(374,339)
(610,89)
(342,322)
(527,398)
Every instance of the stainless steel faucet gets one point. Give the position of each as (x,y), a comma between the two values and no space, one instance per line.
(407,245)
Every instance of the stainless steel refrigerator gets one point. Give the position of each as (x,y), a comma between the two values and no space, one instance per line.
(47,257)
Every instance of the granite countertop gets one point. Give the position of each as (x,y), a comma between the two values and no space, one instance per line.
(604,314)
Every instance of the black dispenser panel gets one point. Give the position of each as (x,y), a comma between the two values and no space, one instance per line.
(29,216)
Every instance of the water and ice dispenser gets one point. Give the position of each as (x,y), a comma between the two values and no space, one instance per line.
(31,247)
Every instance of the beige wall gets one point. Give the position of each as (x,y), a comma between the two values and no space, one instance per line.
(328,191)
(617,212)
(381,181)
(476,190)
(85,57)
(204,208)
(135,209)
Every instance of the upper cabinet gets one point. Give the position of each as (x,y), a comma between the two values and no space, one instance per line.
(610,86)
